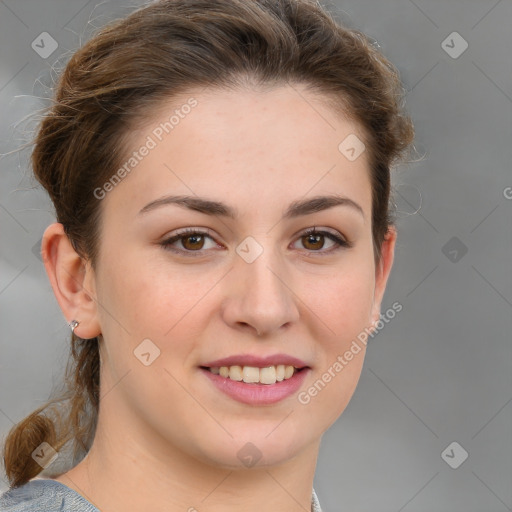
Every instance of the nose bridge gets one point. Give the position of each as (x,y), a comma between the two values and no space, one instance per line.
(262,294)
(264,276)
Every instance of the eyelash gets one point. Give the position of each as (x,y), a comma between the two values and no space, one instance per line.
(166,244)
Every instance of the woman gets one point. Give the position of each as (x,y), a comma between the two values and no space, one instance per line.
(220,172)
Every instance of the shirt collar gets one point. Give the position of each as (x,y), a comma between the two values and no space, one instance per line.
(315,504)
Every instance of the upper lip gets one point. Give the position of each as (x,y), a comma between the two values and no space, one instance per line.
(257,361)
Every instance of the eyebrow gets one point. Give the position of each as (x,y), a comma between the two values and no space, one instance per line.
(210,207)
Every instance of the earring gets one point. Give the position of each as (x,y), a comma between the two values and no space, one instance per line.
(73,325)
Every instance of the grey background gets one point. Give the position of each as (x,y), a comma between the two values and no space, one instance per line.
(440,371)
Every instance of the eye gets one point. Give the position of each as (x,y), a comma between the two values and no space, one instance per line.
(314,240)
(192,240)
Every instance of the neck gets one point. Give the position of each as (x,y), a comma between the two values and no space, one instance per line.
(139,472)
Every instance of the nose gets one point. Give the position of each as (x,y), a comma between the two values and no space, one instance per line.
(260,297)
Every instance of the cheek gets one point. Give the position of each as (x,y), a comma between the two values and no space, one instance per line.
(155,300)
(342,305)
(342,301)
(327,395)
(343,308)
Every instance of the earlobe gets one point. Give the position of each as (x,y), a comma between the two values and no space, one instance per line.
(383,270)
(72,281)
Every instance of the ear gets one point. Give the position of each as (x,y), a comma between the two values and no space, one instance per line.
(382,271)
(73,281)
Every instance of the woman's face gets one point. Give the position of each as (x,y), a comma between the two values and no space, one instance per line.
(251,287)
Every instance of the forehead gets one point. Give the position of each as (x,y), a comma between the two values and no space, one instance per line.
(265,147)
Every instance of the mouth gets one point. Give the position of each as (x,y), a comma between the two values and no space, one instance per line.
(254,385)
(255,375)
(256,380)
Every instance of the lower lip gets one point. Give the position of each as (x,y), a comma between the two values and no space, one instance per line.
(258,394)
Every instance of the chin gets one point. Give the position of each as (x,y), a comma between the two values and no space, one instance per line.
(255,449)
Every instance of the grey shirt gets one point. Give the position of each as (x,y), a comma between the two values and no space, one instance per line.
(44,495)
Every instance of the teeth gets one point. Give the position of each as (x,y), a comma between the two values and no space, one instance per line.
(255,375)
(268,375)
(251,374)
(235,373)
(288,372)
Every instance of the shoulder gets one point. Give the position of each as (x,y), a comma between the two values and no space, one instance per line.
(42,495)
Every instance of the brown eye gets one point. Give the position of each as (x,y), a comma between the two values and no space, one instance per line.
(314,241)
(193,242)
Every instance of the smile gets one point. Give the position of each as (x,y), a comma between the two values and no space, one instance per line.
(254,375)
(255,386)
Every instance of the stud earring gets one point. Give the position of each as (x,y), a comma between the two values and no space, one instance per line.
(73,325)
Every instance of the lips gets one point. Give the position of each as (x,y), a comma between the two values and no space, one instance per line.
(257,380)
(256,394)
(257,361)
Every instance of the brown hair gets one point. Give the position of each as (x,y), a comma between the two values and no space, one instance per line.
(159,51)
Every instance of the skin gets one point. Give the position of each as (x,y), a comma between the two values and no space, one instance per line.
(165,425)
